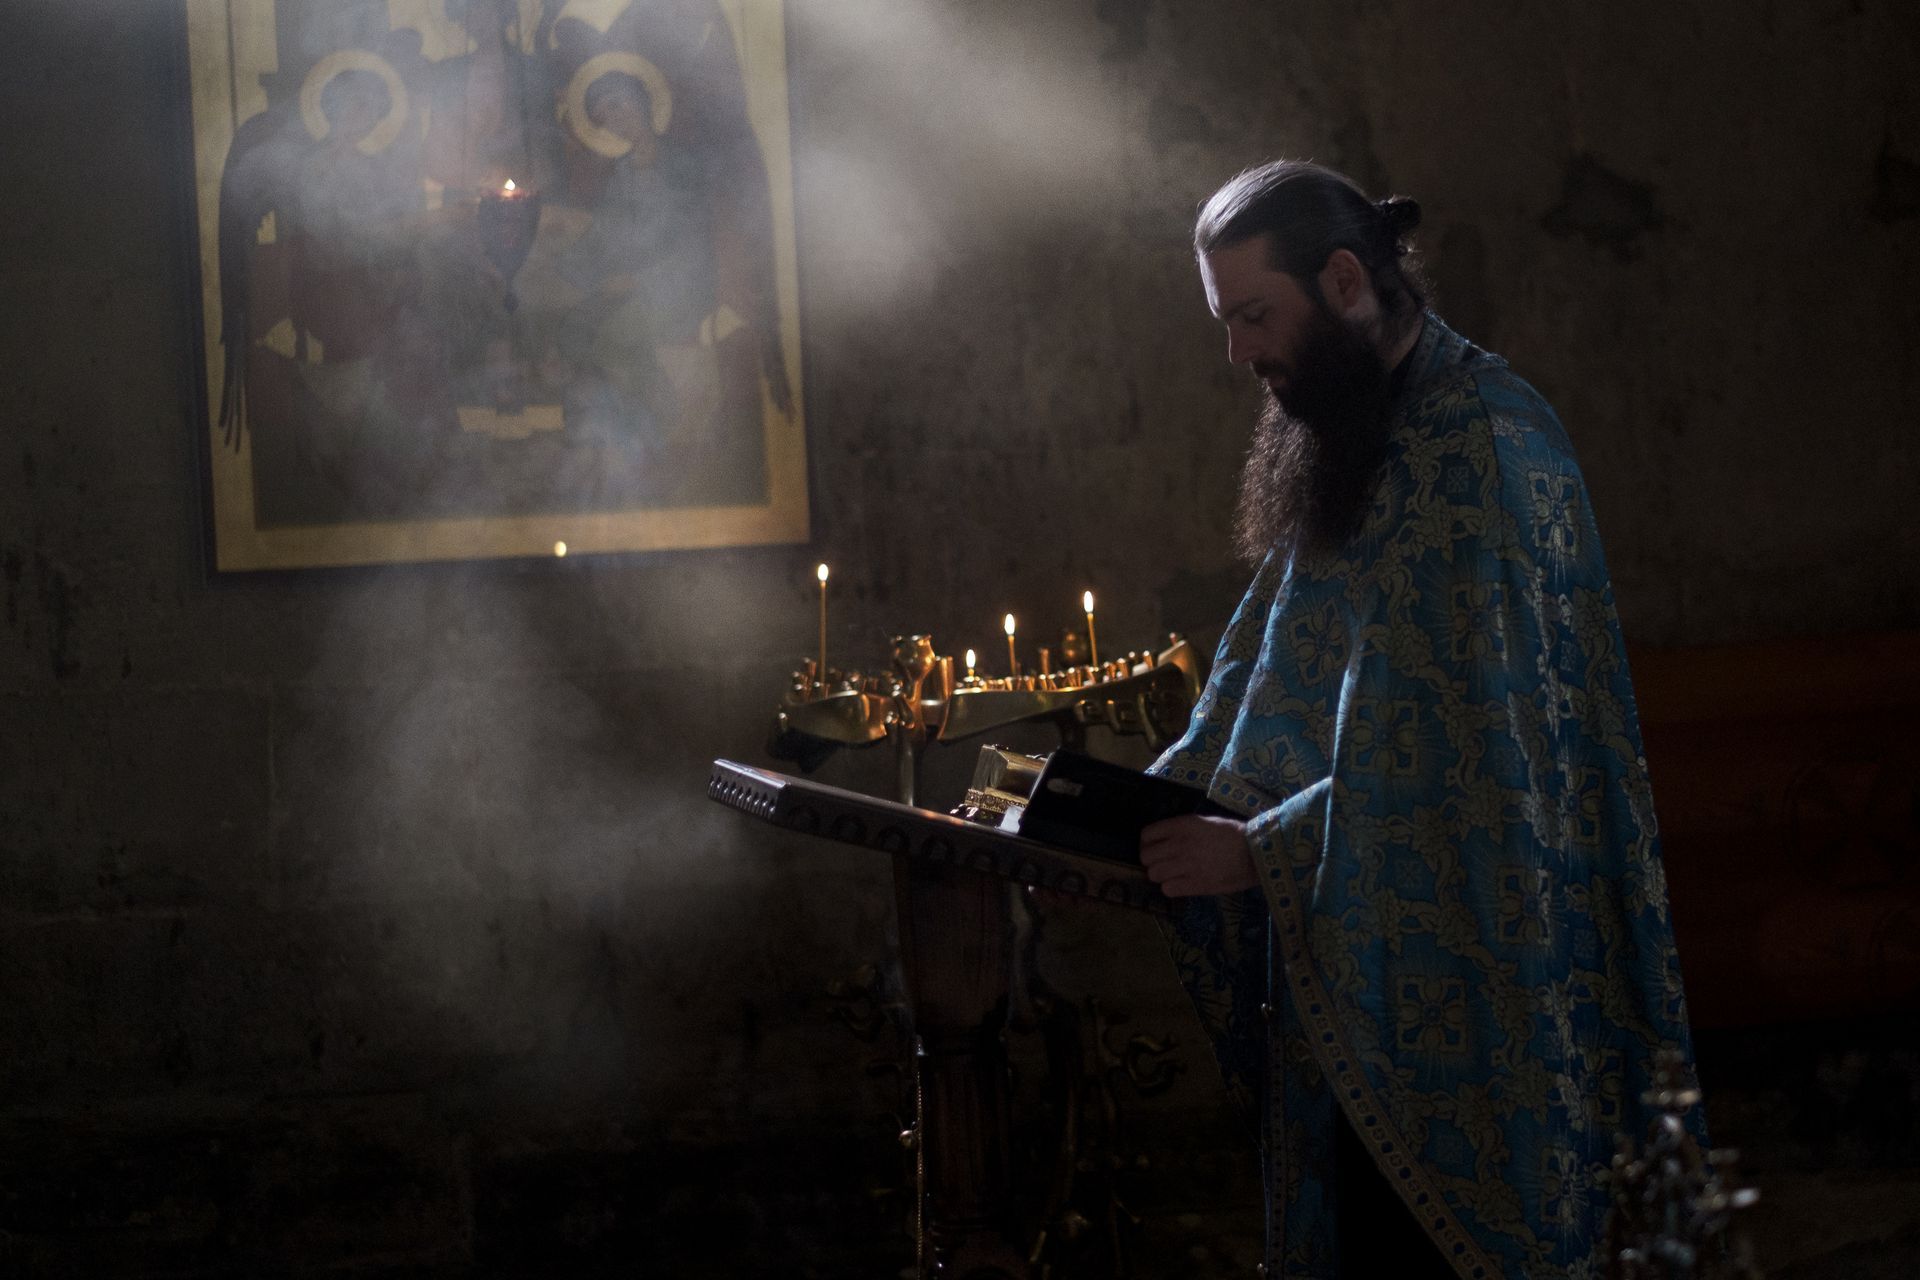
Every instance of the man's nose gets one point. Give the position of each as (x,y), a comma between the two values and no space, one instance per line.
(1240,349)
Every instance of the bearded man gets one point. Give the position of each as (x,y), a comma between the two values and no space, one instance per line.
(1434,956)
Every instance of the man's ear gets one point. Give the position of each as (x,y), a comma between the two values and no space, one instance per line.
(1344,282)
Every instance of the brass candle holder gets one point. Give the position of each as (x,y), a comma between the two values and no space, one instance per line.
(918,699)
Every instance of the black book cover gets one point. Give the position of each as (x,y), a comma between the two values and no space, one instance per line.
(1093,806)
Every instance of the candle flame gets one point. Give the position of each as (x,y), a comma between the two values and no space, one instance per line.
(821,573)
(1086,602)
(559,548)
(969,662)
(509,188)
(1009,624)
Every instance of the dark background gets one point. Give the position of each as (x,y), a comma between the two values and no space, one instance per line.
(376,921)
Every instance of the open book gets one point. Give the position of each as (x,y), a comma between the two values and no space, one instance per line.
(1093,806)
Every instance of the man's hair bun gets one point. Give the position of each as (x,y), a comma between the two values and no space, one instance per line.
(1402,215)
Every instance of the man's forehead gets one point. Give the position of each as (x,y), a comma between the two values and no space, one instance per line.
(1237,274)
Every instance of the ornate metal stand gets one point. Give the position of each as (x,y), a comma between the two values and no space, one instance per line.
(1080,1149)
(1673,1205)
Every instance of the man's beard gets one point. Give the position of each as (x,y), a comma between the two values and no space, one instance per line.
(1311,473)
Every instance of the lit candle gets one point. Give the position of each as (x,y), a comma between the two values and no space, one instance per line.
(1093,645)
(970,657)
(821,573)
(510,191)
(559,548)
(1013,663)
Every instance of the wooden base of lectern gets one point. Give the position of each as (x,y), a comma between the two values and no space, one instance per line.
(954,946)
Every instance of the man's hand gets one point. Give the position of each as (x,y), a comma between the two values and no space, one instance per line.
(1195,855)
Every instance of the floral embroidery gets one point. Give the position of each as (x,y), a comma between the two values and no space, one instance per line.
(1433,1015)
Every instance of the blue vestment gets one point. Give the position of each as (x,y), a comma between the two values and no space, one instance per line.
(1461,934)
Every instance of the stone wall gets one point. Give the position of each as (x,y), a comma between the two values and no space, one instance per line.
(378,918)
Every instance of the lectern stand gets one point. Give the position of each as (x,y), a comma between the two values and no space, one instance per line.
(951,880)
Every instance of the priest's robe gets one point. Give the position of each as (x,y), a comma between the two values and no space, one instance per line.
(1460,936)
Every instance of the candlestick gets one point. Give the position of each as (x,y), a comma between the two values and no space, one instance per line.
(1013,663)
(1093,645)
(821,573)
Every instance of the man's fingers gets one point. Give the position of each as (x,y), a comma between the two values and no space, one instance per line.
(1164,830)
(1177,880)
(1165,838)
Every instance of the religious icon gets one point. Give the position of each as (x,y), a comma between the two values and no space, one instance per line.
(480,276)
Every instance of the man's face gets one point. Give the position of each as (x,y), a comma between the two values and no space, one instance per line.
(1315,452)
(1267,313)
